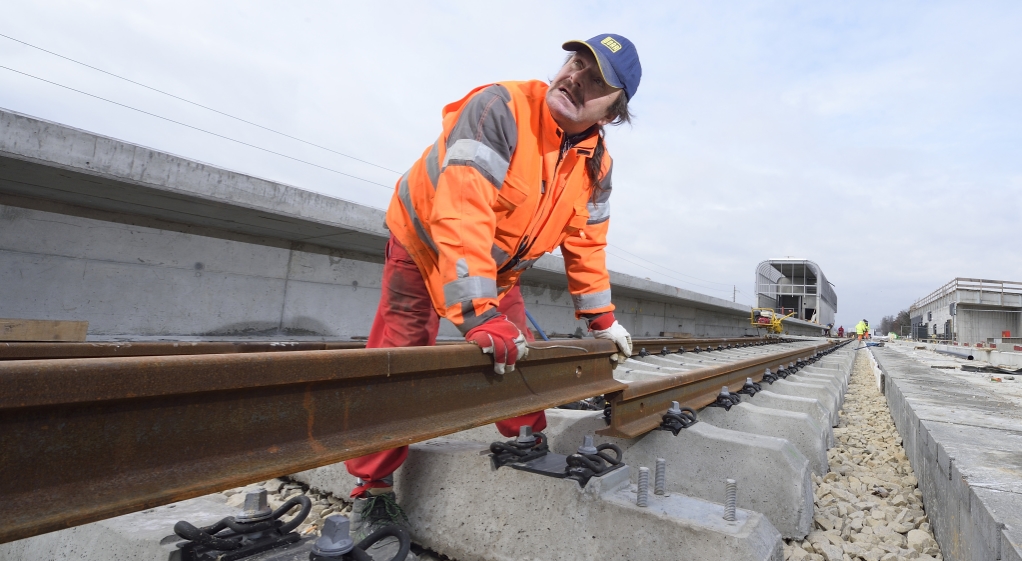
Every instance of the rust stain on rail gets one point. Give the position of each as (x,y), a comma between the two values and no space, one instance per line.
(310,410)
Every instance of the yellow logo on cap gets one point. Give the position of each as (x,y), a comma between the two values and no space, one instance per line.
(611,44)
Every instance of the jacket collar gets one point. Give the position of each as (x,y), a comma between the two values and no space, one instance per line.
(553,136)
(585,140)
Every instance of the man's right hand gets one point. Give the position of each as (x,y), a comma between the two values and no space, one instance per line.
(503,340)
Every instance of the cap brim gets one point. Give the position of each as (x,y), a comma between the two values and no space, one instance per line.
(606,70)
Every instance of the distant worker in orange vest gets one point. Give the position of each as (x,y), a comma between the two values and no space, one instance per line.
(521,168)
(841,332)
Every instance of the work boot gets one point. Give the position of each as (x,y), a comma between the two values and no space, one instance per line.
(372,511)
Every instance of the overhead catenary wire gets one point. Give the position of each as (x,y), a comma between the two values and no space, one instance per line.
(206,107)
(193,127)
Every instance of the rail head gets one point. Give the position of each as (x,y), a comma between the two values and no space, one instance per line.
(39,383)
(639,408)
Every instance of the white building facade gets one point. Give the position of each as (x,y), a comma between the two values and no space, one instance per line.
(970,312)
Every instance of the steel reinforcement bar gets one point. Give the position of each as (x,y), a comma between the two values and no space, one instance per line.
(83,439)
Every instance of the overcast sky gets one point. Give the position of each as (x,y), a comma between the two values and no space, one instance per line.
(882,140)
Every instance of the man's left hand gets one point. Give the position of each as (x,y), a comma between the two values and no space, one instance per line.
(605,326)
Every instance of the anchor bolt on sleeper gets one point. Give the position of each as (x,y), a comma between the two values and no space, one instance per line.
(587,448)
(730,499)
(642,491)
(660,477)
(335,539)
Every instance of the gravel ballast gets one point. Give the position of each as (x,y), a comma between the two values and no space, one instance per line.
(868,507)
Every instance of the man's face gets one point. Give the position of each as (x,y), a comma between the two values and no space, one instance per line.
(578,97)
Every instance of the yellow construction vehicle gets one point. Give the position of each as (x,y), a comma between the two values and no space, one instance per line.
(768,319)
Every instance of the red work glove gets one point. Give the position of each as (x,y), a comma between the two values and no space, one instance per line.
(502,339)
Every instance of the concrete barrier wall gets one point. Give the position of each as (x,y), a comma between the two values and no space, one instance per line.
(146,278)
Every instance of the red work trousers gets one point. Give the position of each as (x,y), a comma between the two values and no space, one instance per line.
(406,318)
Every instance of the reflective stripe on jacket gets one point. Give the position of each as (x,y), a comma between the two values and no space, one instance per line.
(860,328)
(492,195)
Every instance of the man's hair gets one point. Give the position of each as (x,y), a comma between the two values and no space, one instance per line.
(620,110)
(621,115)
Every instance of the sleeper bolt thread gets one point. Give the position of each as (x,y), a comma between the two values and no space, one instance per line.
(730,500)
(642,496)
(660,477)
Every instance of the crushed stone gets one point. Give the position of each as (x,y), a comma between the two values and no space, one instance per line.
(868,506)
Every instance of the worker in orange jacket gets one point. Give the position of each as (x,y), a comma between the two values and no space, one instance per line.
(520,169)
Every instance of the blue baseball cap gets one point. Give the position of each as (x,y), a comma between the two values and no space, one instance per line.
(618,60)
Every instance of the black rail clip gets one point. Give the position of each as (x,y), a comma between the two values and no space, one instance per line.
(592,461)
(589,461)
(726,399)
(769,377)
(527,447)
(643,352)
(677,418)
(664,352)
(750,388)
(255,530)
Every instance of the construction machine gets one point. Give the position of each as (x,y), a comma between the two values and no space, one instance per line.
(768,319)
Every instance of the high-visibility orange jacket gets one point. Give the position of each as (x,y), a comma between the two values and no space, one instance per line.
(498,189)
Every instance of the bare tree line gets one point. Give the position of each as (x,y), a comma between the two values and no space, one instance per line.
(894,324)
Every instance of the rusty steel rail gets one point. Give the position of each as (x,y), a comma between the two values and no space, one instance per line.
(641,406)
(26,351)
(83,439)
(55,350)
(86,439)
